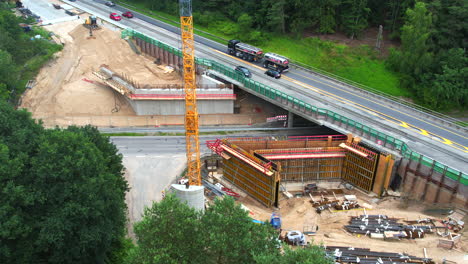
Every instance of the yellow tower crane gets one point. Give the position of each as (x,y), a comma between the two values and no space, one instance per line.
(191,113)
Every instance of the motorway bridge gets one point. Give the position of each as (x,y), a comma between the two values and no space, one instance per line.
(431,134)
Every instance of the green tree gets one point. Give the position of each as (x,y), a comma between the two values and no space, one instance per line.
(171,232)
(232,237)
(7,74)
(354,17)
(61,195)
(395,14)
(445,86)
(324,16)
(414,57)
(245,23)
(450,23)
(276,17)
(308,255)
(299,16)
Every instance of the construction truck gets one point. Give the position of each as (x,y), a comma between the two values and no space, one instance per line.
(276,62)
(244,51)
(91,22)
(250,53)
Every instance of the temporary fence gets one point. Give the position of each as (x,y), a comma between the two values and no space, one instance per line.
(358,128)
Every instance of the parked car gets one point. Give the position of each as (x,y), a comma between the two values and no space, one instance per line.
(115,17)
(128,14)
(244,71)
(110,3)
(273,73)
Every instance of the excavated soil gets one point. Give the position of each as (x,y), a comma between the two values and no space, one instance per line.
(63,87)
(67,93)
(296,213)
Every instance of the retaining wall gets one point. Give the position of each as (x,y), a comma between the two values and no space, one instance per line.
(428,185)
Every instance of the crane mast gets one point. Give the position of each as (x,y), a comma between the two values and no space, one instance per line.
(191,113)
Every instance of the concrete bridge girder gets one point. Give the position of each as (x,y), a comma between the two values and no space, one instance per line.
(318,119)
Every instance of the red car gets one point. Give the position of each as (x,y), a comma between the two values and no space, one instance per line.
(128,14)
(115,17)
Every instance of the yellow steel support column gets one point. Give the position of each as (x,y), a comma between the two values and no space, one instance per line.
(191,113)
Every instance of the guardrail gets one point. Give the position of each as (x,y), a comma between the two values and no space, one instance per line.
(364,131)
(333,77)
(364,88)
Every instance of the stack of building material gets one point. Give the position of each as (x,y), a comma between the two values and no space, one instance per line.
(382,224)
(325,203)
(211,187)
(365,256)
(449,243)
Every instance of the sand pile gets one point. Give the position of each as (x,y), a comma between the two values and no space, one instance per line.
(63,88)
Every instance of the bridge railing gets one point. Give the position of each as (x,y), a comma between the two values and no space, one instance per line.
(358,128)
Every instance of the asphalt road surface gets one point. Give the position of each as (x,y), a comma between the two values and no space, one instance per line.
(301,84)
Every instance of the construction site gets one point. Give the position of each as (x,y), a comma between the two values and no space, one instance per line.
(335,191)
(135,90)
(360,202)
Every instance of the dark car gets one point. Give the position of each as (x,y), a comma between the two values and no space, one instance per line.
(244,71)
(110,3)
(128,14)
(273,73)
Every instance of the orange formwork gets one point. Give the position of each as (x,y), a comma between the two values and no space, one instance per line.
(257,165)
(257,178)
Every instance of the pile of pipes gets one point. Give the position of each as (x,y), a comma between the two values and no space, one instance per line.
(381,226)
(365,256)
(325,203)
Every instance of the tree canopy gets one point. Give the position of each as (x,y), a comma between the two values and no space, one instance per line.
(20,56)
(172,232)
(62,193)
(431,60)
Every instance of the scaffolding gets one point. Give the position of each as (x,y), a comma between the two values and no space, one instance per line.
(257,165)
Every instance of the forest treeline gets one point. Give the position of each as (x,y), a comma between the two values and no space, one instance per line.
(21,55)
(431,62)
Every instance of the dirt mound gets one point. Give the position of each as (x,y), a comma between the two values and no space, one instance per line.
(67,87)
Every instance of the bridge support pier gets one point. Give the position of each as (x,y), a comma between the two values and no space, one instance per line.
(290,119)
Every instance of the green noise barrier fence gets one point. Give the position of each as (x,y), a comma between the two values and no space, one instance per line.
(319,113)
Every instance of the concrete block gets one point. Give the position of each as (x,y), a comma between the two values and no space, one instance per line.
(418,189)
(409,178)
(444,196)
(431,193)
(459,201)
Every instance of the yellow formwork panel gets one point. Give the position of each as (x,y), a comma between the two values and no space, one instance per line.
(258,185)
(360,171)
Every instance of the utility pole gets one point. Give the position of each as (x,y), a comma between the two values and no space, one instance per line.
(378,42)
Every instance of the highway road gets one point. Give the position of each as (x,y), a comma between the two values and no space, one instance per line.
(328,88)
(302,84)
(405,118)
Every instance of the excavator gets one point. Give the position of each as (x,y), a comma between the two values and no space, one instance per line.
(91,22)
